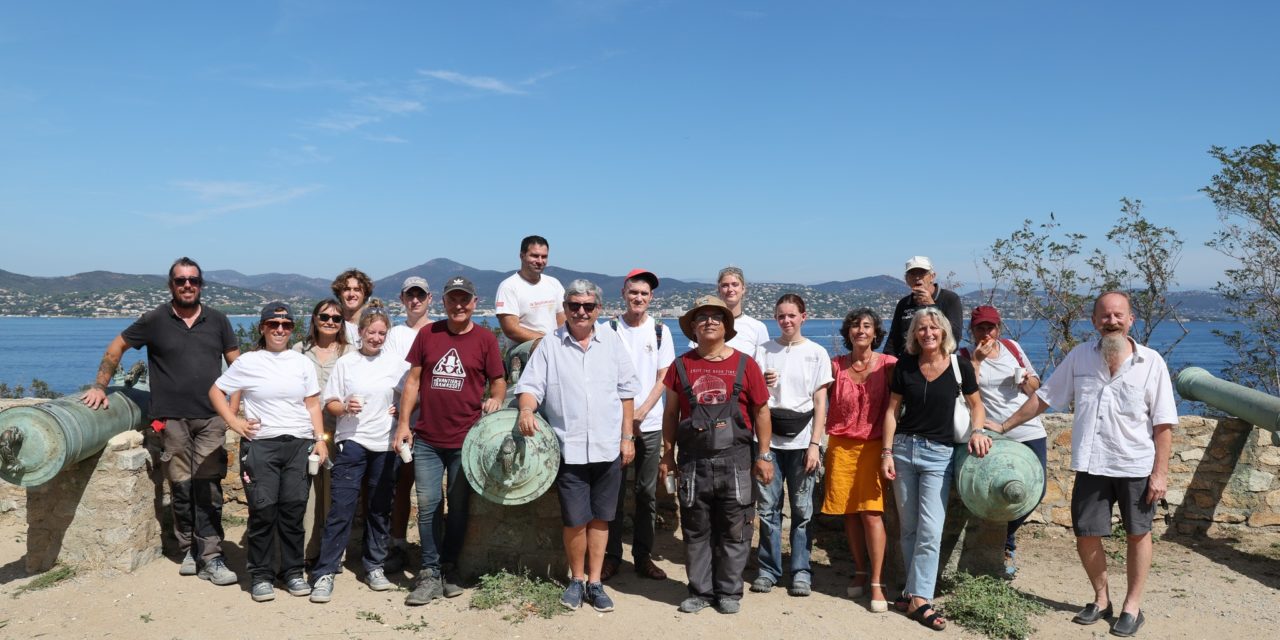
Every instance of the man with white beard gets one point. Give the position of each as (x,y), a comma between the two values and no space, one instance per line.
(1121,438)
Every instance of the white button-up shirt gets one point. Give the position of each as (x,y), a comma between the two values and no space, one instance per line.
(580,392)
(1115,415)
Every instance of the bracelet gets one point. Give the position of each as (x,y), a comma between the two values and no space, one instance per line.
(889,449)
(885,455)
(814,444)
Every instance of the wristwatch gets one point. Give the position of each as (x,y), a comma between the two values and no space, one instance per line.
(765,457)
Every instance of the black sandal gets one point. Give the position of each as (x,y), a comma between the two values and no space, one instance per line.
(933,620)
(902,603)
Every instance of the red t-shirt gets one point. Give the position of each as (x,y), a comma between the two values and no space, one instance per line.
(713,383)
(455,371)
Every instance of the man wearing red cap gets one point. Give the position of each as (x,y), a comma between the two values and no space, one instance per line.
(650,346)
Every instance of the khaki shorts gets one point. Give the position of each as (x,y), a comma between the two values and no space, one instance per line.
(195,448)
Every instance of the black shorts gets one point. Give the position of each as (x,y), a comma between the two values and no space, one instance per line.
(1093,496)
(589,491)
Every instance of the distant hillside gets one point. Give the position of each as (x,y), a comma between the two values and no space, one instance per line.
(487,280)
(288,284)
(882,284)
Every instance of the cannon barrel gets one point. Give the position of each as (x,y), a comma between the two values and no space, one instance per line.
(38,441)
(1004,485)
(1250,405)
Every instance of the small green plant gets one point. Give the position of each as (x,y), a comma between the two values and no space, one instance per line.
(370,616)
(412,627)
(991,606)
(232,520)
(47,579)
(146,617)
(526,596)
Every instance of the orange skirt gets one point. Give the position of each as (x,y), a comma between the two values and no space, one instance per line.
(852,476)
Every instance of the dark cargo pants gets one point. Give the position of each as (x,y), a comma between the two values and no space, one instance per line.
(716,513)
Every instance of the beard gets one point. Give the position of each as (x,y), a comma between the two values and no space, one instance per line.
(178,302)
(1114,348)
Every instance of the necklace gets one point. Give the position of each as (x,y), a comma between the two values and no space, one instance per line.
(716,357)
(853,363)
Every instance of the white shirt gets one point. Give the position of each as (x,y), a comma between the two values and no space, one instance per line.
(648,358)
(1001,397)
(535,304)
(580,392)
(275,386)
(399,340)
(1115,416)
(352,330)
(802,370)
(375,378)
(750,334)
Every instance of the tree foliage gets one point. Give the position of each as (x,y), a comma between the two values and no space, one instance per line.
(1246,192)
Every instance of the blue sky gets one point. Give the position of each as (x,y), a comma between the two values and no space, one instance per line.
(803,141)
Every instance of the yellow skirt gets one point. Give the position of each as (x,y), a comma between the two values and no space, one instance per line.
(852,477)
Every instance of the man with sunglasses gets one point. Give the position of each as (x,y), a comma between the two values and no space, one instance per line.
(186,343)
(582,379)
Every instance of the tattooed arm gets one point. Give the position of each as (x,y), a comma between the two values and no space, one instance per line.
(96,396)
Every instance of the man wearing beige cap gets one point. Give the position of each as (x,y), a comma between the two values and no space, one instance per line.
(925,292)
(415,295)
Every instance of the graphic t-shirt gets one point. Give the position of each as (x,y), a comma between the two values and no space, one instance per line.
(535,304)
(374,378)
(275,385)
(456,369)
(712,383)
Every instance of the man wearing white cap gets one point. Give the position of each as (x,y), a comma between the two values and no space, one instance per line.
(415,295)
(925,292)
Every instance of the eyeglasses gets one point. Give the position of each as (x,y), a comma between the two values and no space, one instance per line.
(416,294)
(183,281)
(276,325)
(589,307)
(713,318)
(324,317)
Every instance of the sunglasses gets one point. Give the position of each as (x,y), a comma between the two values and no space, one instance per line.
(715,318)
(589,307)
(324,317)
(183,281)
(275,325)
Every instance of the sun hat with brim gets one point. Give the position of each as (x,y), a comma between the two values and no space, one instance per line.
(707,302)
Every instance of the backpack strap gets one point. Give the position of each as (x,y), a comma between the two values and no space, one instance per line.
(683,376)
(738,384)
(613,324)
(657,332)
(1013,348)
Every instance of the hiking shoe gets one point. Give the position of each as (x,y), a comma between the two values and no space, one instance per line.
(216,571)
(693,604)
(451,586)
(728,605)
(297,586)
(600,601)
(572,596)
(322,590)
(188,567)
(262,592)
(762,584)
(1010,565)
(377,580)
(428,588)
(799,589)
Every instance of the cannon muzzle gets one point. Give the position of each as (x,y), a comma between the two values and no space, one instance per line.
(1004,485)
(1250,405)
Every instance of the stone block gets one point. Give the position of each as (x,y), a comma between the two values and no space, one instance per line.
(1228,517)
(1061,516)
(1273,499)
(1264,519)
(1191,454)
(1203,500)
(1260,480)
(132,459)
(125,441)
(1175,496)
(1268,456)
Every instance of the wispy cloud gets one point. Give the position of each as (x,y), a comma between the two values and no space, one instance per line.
(387,139)
(483,83)
(342,122)
(303,154)
(223,197)
(390,104)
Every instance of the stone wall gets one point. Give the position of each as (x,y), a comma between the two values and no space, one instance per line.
(1224,478)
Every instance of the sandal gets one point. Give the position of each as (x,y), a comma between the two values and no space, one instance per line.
(932,620)
(854,590)
(902,603)
(879,606)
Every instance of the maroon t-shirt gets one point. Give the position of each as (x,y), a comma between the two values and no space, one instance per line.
(455,371)
(713,383)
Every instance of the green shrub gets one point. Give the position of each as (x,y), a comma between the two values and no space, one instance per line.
(524,595)
(991,606)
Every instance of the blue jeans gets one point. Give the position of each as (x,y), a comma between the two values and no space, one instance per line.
(920,491)
(788,465)
(441,537)
(353,467)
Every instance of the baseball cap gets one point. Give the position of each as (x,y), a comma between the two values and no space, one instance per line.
(919,262)
(985,313)
(459,283)
(645,275)
(277,310)
(415,281)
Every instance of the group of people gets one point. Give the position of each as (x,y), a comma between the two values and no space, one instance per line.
(738,425)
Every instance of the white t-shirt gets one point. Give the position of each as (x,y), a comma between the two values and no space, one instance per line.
(802,369)
(275,386)
(352,330)
(375,378)
(399,340)
(1001,397)
(751,334)
(648,358)
(535,304)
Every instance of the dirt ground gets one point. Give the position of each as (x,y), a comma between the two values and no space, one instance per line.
(1198,589)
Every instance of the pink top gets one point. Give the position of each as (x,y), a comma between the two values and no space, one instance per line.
(856,409)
